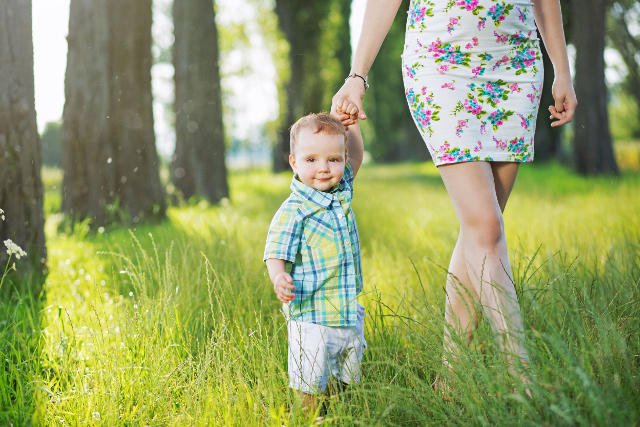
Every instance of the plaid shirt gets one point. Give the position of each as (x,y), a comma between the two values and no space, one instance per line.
(316,232)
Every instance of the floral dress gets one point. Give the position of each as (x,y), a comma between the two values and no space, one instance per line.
(473,75)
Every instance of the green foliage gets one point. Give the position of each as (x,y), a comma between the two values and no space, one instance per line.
(391,134)
(51,145)
(176,323)
(623,115)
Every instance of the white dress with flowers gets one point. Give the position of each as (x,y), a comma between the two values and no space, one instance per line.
(473,78)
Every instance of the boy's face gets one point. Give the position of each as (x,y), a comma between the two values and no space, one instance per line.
(318,159)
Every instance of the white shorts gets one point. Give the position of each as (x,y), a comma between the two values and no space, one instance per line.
(318,352)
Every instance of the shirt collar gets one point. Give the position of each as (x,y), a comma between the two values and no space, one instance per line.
(318,197)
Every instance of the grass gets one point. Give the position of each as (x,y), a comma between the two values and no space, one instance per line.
(176,324)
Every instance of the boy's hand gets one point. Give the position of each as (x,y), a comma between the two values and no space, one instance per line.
(347,113)
(283,287)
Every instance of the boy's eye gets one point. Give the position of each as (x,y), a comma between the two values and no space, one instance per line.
(310,159)
(336,159)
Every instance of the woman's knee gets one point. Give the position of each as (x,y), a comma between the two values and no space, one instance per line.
(485,232)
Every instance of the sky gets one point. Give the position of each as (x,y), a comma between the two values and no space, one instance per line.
(249,113)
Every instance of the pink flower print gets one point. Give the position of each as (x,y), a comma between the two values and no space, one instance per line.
(496,118)
(449,85)
(478,71)
(534,95)
(460,127)
(516,145)
(443,69)
(473,43)
(482,23)
(416,15)
(472,106)
(514,87)
(410,72)
(478,147)
(483,128)
(501,38)
(524,122)
(453,21)
(436,49)
(499,12)
(500,145)
(521,15)
(469,5)
(501,61)
(524,59)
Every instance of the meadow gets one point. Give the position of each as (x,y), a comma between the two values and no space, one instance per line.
(175,323)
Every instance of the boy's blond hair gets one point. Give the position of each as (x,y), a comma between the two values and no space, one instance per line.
(318,123)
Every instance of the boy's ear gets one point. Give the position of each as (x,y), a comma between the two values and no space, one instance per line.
(292,162)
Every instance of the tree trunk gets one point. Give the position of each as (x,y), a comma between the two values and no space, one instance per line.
(110,158)
(547,139)
(592,144)
(89,163)
(301,23)
(22,219)
(199,166)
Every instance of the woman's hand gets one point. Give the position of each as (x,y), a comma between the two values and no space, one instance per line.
(565,101)
(348,100)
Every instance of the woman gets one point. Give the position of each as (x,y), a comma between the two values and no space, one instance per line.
(473,78)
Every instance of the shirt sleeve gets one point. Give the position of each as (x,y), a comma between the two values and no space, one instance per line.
(285,231)
(348,174)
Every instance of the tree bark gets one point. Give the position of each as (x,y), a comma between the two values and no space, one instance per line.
(592,145)
(20,183)
(301,23)
(89,166)
(199,165)
(110,159)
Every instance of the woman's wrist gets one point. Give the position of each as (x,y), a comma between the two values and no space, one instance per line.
(358,76)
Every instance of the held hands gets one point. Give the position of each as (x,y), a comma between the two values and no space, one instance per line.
(565,101)
(346,104)
(283,287)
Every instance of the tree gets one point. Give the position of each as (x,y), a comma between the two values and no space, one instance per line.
(592,145)
(624,14)
(394,134)
(547,138)
(51,145)
(308,27)
(198,167)
(22,217)
(110,160)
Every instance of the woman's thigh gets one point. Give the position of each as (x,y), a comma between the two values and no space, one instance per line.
(471,187)
(504,176)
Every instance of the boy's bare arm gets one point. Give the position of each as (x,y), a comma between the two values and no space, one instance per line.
(282,281)
(355,147)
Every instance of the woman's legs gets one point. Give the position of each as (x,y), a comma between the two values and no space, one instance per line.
(479,192)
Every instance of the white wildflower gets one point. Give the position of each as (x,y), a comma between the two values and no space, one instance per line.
(13,249)
(1,214)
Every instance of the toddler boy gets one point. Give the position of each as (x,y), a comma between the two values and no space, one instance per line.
(312,254)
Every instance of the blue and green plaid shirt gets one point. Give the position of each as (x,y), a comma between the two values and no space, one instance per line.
(316,232)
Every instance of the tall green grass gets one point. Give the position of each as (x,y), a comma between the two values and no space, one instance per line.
(176,323)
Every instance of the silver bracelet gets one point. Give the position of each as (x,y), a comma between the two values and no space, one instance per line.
(364,79)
